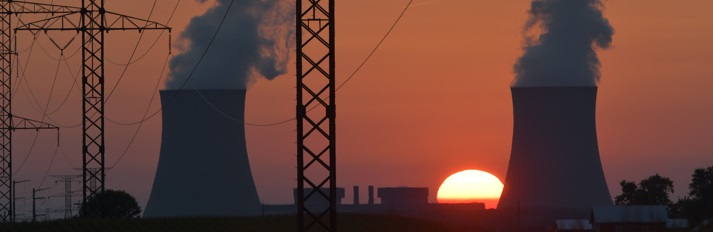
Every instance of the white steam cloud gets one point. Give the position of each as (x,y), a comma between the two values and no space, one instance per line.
(254,41)
(563,51)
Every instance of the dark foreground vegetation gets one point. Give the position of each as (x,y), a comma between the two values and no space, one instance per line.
(347,223)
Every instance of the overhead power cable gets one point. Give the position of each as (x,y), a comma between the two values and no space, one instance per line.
(24,70)
(44,115)
(44,50)
(12,96)
(136,132)
(47,172)
(71,88)
(126,67)
(190,75)
(140,122)
(339,87)
(148,107)
(398,19)
(377,45)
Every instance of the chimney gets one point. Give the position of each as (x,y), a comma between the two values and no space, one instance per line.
(203,167)
(554,161)
(371,194)
(356,195)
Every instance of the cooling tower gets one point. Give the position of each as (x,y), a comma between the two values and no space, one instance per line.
(554,162)
(203,168)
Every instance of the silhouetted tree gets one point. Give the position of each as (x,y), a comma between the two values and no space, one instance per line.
(699,203)
(702,184)
(629,191)
(111,204)
(654,190)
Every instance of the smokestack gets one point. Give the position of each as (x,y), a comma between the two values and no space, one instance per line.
(371,194)
(203,168)
(555,157)
(356,195)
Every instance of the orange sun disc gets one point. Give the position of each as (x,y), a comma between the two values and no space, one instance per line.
(471,186)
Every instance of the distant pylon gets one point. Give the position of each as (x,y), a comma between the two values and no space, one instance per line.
(67,180)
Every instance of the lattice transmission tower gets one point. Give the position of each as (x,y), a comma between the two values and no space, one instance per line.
(8,121)
(93,21)
(316,114)
(67,180)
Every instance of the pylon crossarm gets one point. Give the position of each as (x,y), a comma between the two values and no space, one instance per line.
(29,124)
(62,22)
(115,21)
(23,7)
(71,21)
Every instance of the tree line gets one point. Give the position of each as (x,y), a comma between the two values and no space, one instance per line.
(656,190)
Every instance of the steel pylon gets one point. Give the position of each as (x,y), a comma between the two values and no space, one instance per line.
(93,21)
(316,114)
(7,126)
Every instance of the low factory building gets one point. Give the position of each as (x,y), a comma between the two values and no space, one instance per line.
(629,218)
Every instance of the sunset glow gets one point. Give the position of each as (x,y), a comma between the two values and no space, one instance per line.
(470,186)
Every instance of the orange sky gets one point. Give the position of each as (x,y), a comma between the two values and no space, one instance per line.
(433,100)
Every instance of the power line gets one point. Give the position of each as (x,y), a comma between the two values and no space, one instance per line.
(49,166)
(32,147)
(159,77)
(44,114)
(21,77)
(71,88)
(126,67)
(42,48)
(136,132)
(29,89)
(190,75)
(147,50)
(93,38)
(377,45)
(66,158)
(54,81)
(398,19)
(337,89)
(74,82)
(140,122)
(158,82)
(37,107)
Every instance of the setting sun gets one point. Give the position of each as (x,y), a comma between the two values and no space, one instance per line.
(470,186)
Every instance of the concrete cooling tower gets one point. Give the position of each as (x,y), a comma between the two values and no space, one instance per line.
(554,162)
(203,168)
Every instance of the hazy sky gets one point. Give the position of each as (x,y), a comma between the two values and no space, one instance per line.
(433,100)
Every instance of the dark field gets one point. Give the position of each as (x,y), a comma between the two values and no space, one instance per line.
(347,223)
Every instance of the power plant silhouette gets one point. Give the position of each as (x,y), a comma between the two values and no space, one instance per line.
(203,168)
(554,160)
(554,167)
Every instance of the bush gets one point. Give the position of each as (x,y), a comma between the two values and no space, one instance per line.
(111,204)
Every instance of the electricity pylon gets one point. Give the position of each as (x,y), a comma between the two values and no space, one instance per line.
(34,206)
(67,180)
(8,121)
(316,114)
(93,22)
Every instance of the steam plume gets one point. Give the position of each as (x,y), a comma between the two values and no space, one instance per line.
(254,41)
(563,51)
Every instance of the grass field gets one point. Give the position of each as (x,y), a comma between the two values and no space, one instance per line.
(347,223)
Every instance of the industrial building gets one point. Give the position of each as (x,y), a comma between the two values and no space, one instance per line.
(629,218)
(403,196)
(413,203)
